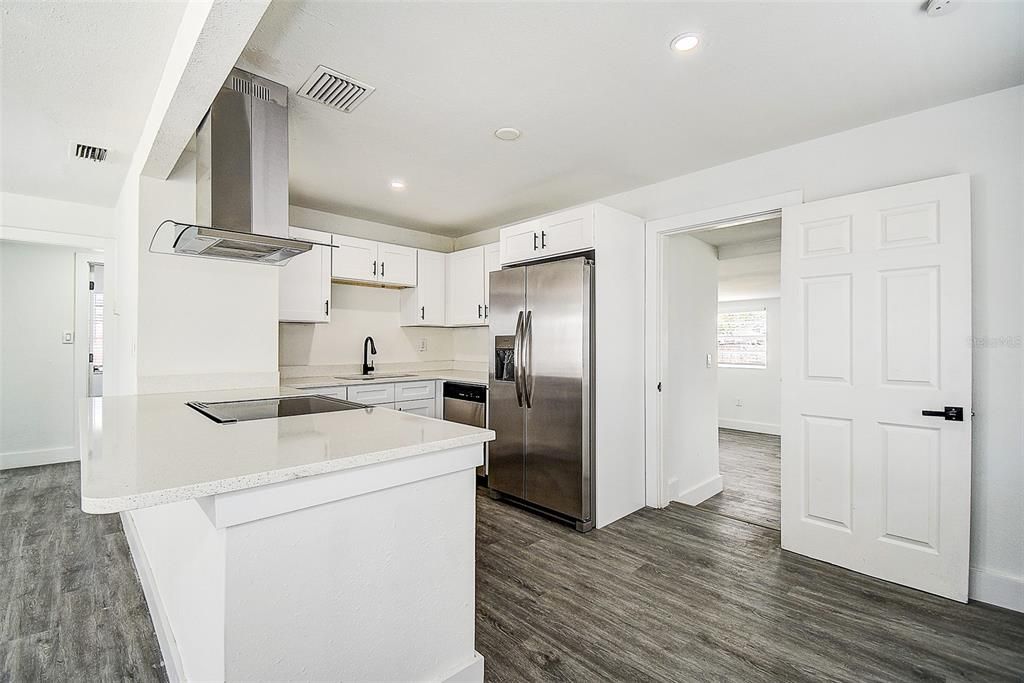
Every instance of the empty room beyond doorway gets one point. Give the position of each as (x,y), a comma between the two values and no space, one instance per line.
(748,370)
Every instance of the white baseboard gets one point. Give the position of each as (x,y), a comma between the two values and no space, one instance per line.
(701,492)
(471,673)
(996,588)
(46,456)
(747,426)
(161,624)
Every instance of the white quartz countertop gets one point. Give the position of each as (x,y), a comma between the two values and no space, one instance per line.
(141,451)
(466,376)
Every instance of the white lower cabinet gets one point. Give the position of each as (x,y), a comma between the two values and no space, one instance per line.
(424,407)
(372,394)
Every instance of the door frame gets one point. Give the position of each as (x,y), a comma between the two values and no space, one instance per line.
(655,343)
(82,315)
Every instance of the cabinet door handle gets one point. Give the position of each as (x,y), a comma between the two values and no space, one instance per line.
(382,269)
(543,238)
(479,311)
(535,241)
(487,311)
(375,269)
(423,312)
(327,306)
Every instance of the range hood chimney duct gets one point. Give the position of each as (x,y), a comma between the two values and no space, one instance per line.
(242,177)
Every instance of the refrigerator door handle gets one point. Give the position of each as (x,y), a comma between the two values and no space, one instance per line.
(517,355)
(528,359)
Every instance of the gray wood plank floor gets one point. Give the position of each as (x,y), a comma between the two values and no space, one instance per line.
(686,594)
(752,476)
(680,594)
(71,607)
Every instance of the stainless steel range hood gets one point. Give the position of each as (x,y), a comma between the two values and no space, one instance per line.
(241,178)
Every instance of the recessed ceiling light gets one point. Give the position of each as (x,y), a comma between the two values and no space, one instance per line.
(685,42)
(397,184)
(507,134)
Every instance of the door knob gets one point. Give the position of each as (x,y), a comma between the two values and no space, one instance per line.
(950,413)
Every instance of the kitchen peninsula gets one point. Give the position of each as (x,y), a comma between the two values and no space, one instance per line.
(333,545)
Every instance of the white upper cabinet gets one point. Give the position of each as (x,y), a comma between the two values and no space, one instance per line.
(492,262)
(305,281)
(466,292)
(424,304)
(362,260)
(397,264)
(520,242)
(560,233)
(354,259)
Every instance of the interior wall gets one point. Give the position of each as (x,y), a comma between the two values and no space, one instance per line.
(301,217)
(982,136)
(203,323)
(758,389)
(52,215)
(690,302)
(37,370)
(471,345)
(356,313)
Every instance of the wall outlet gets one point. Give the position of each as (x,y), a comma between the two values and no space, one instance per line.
(423,344)
(67,337)
(739,403)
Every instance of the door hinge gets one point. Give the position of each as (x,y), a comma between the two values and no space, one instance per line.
(90,357)
(92,285)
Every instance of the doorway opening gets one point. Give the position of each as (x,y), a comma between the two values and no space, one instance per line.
(95,330)
(720,306)
(748,369)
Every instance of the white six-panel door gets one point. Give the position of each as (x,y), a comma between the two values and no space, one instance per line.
(876,326)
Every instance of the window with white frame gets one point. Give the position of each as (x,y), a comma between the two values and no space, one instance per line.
(743,339)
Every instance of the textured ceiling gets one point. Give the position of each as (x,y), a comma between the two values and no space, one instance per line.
(603,104)
(77,72)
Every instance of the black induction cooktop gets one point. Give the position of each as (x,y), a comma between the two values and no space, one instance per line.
(226,412)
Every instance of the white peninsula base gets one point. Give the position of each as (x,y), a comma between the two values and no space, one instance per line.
(358,575)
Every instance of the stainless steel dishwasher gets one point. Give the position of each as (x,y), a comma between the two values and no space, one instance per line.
(467,404)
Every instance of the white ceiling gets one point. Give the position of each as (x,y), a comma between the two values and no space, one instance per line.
(758,231)
(78,72)
(603,104)
(749,277)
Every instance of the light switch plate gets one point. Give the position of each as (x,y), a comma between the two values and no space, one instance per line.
(67,337)
(709,360)
(423,343)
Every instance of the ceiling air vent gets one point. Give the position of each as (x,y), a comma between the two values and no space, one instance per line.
(89,152)
(335,89)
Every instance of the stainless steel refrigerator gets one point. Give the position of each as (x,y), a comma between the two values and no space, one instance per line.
(541,388)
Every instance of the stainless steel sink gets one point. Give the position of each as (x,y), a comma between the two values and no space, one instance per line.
(363,378)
